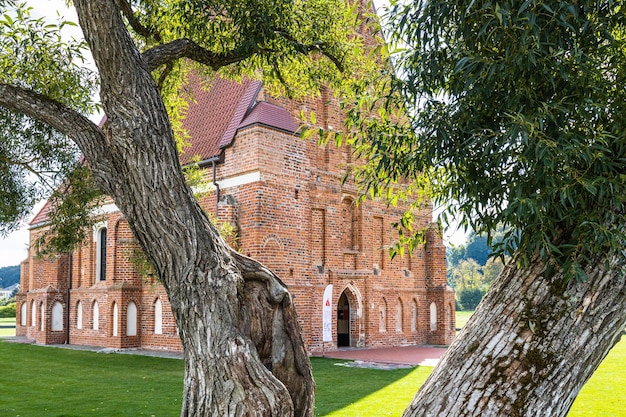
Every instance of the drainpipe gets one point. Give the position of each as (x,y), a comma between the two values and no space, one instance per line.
(69,304)
(217,192)
(213,162)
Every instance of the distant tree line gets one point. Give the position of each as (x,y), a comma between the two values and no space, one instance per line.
(9,275)
(472,269)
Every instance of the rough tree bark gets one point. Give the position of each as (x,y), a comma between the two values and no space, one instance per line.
(530,346)
(220,300)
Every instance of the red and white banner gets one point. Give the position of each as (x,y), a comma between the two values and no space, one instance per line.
(327,314)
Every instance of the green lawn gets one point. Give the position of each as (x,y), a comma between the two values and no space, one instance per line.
(462,317)
(7,322)
(69,383)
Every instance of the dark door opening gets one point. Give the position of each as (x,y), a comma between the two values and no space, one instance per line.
(343,321)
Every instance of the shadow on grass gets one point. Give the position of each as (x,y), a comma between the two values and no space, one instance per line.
(339,387)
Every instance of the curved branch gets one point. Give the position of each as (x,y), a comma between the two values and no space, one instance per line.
(186,48)
(140,29)
(86,134)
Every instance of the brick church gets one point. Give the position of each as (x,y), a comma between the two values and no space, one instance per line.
(286,199)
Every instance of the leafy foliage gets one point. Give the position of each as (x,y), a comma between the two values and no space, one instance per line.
(34,158)
(517,118)
(8,310)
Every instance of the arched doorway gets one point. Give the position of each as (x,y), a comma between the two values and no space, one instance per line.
(343,321)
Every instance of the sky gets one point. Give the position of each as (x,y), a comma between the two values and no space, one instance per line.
(14,247)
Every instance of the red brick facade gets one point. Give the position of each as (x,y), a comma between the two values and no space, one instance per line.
(292,212)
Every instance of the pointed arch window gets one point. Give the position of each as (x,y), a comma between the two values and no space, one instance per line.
(433,317)
(115,319)
(33,313)
(101,254)
(131,319)
(23,314)
(57,317)
(158,317)
(79,315)
(96,316)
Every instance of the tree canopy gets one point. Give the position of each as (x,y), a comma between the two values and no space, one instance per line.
(516,119)
(294,47)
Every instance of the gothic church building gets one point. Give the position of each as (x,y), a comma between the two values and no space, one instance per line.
(291,210)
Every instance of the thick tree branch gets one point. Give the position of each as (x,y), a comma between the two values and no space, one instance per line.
(86,134)
(140,29)
(186,48)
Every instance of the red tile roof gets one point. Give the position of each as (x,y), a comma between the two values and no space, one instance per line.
(271,115)
(213,119)
(42,215)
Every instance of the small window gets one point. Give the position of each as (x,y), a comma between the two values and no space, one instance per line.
(101,254)
(96,316)
(382,323)
(33,314)
(23,314)
(433,317)
(42,314)
(57,317)
(115,319)
(131,319)
(158,317)
(399,317)
(79,315)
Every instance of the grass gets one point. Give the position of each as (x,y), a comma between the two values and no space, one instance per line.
(69,383)
(604,395)
(462,317)
(7,322)
(356,392)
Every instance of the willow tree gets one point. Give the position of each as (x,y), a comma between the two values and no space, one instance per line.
(517,118)
(142,50)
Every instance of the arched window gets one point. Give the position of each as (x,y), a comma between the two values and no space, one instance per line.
(33,313)
(79,315)
(433,316)
(115,319)
(382,324)
(23,314)
(413,316)
(131,319)
(158,317)
(101,254)
(96,316)
(57,317)
(399,316)
(42,316)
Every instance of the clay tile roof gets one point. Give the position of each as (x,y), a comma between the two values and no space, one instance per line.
(271,115)
(213,118)
(42,215)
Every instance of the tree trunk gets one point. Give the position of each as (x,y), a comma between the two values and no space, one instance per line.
(216,310)
(530,346)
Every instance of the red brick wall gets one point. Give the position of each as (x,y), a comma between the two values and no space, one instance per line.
(294,216)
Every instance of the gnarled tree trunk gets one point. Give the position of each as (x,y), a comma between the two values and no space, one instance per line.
(530,346)
(217,311)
